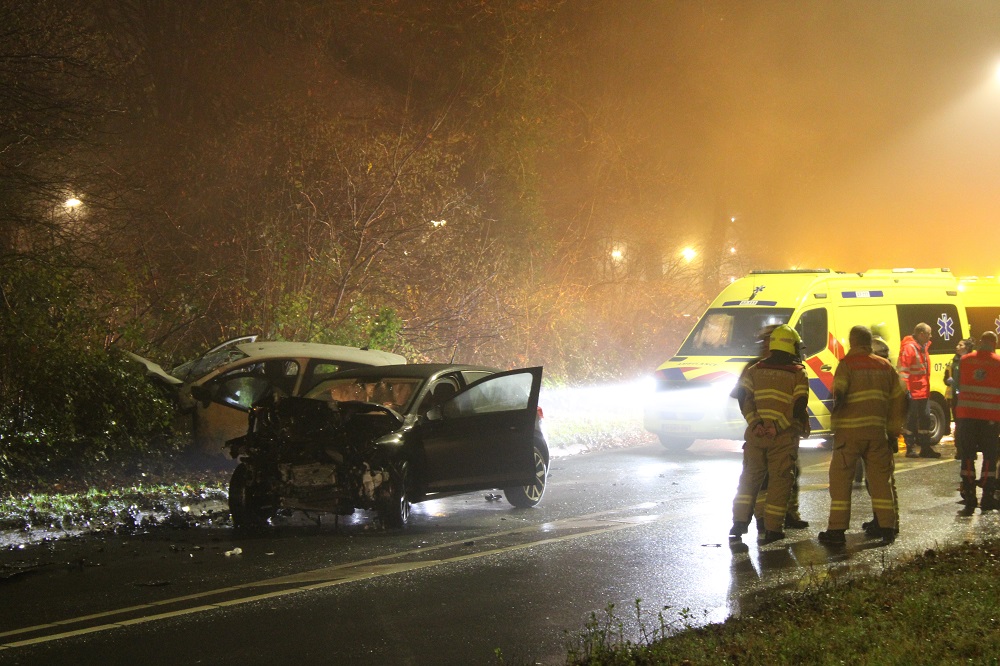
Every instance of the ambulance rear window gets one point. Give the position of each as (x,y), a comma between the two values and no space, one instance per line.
(731,331)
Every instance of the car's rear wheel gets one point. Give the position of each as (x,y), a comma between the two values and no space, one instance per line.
(527,496)
(675,443)
(246,502)
(394,509)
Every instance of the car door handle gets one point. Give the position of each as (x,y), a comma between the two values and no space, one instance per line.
(825,367)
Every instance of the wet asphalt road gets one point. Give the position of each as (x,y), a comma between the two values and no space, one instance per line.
(468,577)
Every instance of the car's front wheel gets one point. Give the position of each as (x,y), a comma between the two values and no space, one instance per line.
(246,502)
(531,494)
(394,510)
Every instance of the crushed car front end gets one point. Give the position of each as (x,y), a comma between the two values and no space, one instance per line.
(318,456)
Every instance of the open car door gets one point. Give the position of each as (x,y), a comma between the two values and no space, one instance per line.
(484,436)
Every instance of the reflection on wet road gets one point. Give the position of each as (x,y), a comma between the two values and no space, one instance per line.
(469,575)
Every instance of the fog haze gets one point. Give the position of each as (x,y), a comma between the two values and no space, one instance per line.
(850,135)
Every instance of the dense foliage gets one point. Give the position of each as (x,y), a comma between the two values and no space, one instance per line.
(65,400)
(434,179)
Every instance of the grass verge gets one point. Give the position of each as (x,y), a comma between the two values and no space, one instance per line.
(119,501)
(941,607)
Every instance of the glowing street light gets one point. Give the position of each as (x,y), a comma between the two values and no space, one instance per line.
(617,255)
(73,202)
(688,253)
(438,223)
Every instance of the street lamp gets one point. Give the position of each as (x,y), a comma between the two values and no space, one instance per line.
(689,254)
(73,202)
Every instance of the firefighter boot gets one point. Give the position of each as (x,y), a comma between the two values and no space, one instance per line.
(968,496)
(739,529)
(795,522)
(770,537)
(833,537)
(989,502)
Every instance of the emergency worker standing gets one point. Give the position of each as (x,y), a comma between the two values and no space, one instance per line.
(776,393)
(978,412)
(914,370)
(966,346)
(868,403)
(793,519)
(871,527)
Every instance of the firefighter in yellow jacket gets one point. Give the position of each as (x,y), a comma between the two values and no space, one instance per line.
(868,404)
(776,396)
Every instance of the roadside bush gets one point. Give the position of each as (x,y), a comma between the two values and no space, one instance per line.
(65,401)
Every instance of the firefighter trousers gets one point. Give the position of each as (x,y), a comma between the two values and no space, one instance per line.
(793,500)
(774,458)
(879,469)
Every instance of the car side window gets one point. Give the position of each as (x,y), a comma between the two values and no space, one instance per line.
(319,370)
(243,386)
(498,394)
(441,391)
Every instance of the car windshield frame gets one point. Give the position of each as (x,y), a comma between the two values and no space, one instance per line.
(386,390)
(732,331)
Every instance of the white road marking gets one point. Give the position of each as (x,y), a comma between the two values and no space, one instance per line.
(337,575)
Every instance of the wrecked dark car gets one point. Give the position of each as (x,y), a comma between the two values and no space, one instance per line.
(382,438)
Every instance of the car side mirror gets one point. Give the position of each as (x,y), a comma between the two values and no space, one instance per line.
(435,414)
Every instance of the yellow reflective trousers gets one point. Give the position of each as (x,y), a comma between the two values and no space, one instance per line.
(774,457)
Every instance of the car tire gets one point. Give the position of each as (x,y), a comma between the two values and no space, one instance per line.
(394,510)
(674,443)
(524,497)
(940,422)
(246,505)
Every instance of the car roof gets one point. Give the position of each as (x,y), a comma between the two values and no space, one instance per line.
(341,353)
(415,370)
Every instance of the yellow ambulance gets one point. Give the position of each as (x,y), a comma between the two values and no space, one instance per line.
(692,400)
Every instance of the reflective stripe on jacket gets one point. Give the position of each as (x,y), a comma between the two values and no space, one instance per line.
(914,368)
(771,392)
(870,400)
(979,386)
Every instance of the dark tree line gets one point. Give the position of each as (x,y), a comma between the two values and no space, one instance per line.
(442,179)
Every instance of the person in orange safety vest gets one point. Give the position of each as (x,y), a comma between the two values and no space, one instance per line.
(914,370)
(978,412)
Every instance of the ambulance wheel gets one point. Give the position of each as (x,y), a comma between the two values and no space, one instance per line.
(674,443)
(940,423)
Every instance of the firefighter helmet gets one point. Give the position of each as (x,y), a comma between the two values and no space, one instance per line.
(785,338)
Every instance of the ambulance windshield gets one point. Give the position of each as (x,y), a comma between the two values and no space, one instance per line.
(731,331)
